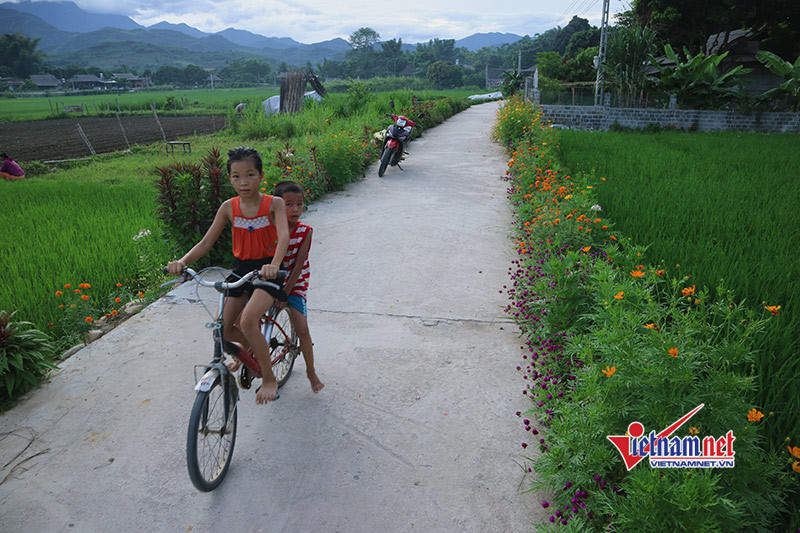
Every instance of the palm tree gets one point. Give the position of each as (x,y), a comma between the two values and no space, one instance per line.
(627,62)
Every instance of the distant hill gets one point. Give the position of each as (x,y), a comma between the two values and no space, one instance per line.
(66,16)
(182,27)
(70,35)
(32,26)
(479,40)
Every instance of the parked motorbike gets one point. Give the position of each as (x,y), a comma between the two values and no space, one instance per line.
(395,139)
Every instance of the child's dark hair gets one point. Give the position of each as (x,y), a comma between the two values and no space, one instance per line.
(241,153)
(286,186)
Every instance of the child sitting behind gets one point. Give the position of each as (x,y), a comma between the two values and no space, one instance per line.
(260,239)
(296,262)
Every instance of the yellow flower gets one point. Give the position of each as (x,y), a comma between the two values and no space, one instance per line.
(609,371)
(774,309)
(694,430)
(754,415)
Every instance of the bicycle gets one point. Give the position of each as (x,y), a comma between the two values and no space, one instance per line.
(212,424)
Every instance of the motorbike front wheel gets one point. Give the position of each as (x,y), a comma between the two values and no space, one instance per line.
(386,156)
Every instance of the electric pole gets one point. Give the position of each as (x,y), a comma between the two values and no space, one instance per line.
(600,59)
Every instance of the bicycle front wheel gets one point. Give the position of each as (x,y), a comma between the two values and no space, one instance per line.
(211,437)
(283,347)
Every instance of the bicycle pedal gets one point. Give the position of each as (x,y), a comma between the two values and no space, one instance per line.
(245,377)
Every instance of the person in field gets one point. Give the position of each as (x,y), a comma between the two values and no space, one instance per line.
(260,240)
(296,262)
(10,169)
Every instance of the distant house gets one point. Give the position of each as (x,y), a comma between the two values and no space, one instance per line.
(89,81)
(126,79)
(742,47)
(13,83)
(46,82)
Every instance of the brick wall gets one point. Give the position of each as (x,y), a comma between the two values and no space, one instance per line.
(600,118)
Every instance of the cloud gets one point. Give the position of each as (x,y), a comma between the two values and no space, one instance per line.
(308,22)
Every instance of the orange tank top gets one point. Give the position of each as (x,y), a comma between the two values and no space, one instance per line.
(253,238)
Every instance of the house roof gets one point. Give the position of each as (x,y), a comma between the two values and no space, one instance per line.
(127,76)
(45,80)
(88,78)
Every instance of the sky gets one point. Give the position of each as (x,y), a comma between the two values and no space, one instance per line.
(309,21)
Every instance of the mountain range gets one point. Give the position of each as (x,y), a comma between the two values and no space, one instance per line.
(70,35)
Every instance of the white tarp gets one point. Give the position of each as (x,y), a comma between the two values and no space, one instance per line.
(486,96)
(272,105)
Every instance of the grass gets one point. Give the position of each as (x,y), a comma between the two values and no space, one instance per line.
(77,225)
(196,101)
(720,205)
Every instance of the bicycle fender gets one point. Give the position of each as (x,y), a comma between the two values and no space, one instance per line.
(204,385)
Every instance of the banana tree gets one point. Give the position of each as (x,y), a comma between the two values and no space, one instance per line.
(512,82)
(790,89)
(697,81)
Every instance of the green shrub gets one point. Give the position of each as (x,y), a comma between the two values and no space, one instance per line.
(26,355)
(189,196)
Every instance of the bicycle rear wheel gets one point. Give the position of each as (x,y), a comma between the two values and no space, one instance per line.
(283,347)
(210,441)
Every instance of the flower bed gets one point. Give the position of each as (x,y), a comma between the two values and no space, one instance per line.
(611,339)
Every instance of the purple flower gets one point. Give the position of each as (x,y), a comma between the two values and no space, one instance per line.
(545,504)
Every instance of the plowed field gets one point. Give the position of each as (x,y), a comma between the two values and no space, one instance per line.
(45,140)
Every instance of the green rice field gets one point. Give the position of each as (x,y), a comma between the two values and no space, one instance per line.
(720,205)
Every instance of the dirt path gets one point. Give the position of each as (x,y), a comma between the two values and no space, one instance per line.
(415,430)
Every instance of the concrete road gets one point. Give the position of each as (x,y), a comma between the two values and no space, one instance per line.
(414,431)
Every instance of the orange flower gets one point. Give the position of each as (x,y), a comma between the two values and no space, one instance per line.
(141,294)
(77,291)
(754,415)
(794,451)
(651,325)
(796,466)
(119,284)
(688,291)
(609,371)
(67,286)
(774,309)
(586,249)
(673,352)
(59,293)
(85,297)
(659,272)
(637,273)
(115,312)
(612,237)
(89,319)
(118,299)
(620,295)
(60,306)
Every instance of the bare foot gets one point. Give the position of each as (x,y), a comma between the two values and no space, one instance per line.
(316,384)
(266,392)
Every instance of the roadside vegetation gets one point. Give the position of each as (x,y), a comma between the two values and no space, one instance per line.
(84,241)
(614,332)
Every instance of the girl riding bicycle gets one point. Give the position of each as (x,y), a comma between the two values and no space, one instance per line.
(260,240)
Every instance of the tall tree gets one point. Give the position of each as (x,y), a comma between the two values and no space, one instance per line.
(19,53)
(364,38)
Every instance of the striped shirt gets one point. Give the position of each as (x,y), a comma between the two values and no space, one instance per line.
(296,239)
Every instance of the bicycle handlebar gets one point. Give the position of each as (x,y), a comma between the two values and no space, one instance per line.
(222,286)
